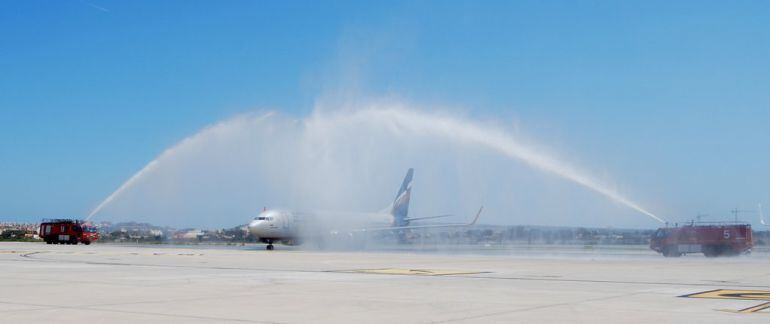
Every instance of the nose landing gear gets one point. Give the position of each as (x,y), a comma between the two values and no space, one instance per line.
(269,246)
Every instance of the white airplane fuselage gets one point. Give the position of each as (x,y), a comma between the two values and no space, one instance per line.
(273,225)
(282,225)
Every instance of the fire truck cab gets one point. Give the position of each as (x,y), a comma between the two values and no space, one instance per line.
(67,231)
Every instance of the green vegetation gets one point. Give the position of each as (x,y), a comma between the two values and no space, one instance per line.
(16,235)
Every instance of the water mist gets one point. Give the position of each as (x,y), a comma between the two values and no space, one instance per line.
(329,158)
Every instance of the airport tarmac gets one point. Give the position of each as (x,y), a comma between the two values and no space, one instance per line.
(105,283)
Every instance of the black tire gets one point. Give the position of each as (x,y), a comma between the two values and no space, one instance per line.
(729,251)
(669,252)
(48,242)
(87,242)
(710,251)
(269,247)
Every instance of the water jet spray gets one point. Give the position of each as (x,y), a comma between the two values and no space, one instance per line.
(400,126)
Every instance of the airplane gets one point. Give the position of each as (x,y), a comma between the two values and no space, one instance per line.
(292,228)
(761,216)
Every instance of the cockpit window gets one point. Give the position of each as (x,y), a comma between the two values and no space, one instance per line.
(261,218)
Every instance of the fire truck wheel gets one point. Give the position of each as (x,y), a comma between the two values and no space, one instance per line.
(87,242)
(669,252)
(729,251)
(48,242)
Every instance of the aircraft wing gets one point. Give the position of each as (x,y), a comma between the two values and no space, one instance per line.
(411,219)
(391,228)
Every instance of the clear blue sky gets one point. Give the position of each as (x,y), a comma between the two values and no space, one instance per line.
(671,98)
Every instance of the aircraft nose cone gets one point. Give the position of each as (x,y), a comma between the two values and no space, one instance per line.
(253,226)
(257,227)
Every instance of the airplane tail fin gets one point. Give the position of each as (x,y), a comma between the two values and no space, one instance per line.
(400,208)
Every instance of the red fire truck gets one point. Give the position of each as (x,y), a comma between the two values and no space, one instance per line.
(67,231)
(716,239)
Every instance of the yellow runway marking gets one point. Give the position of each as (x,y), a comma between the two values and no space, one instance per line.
(412,272)
(752,309)
(737,294)
(732,294)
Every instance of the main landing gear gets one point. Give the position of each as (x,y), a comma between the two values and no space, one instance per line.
(269,246)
